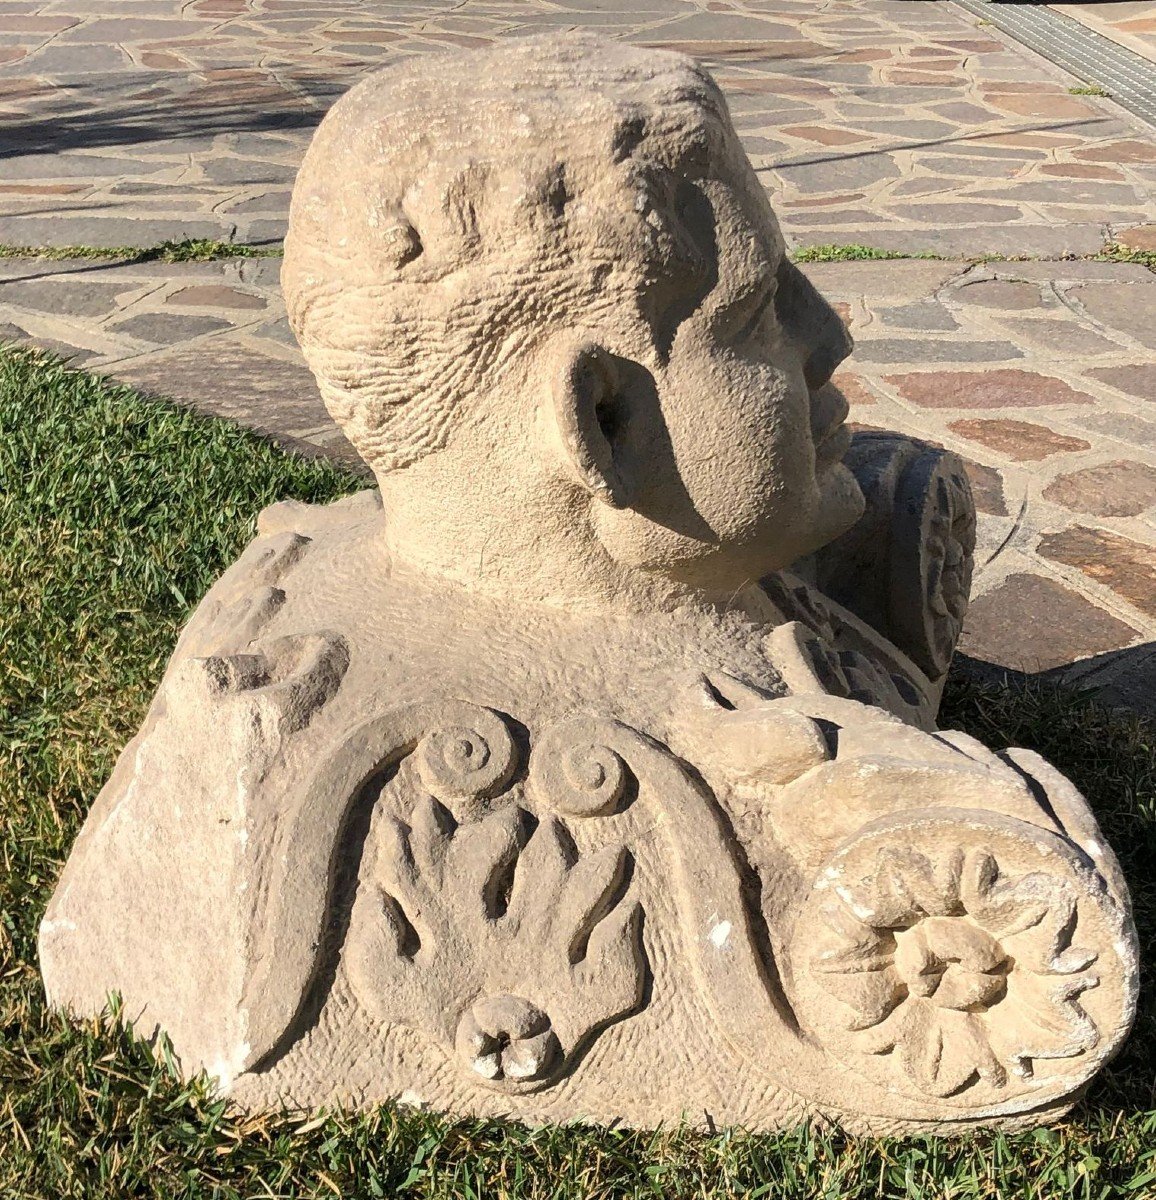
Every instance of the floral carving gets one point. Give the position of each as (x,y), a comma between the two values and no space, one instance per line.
(905,566)
(464,755)
(965,972)
(818,655)
(496,937)
(933,545)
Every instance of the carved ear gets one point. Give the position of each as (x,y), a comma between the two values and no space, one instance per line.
(588,411)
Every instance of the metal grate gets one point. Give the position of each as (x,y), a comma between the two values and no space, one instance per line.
(1128,76)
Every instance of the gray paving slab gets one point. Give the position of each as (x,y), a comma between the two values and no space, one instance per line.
(936,350)
(106,231)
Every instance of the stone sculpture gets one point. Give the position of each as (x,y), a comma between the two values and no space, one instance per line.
(587,768)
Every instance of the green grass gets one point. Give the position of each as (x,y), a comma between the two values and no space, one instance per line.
(1115,252)
(836,253)
(831,253)
(1091,90)
(203,250)
(115,515)
(189,250)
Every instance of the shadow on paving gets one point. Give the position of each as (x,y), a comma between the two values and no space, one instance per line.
(86,130)
(1118,678)
(97,125)
(95,118)
(1084,128)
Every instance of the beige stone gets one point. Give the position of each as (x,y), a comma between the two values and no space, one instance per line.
(1139,237)
(544,780)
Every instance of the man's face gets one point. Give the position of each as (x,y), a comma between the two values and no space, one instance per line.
(737,463)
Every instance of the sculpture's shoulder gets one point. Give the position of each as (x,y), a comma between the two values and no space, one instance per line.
(230,730)
(309,520)
(242,604)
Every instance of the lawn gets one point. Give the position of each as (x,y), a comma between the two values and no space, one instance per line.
(116,513)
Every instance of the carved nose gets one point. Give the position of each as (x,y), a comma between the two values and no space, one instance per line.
(834,345)
(812,323)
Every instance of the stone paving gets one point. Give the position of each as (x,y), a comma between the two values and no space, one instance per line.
(897,123)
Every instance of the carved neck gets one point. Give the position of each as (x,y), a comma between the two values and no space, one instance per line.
(555,561)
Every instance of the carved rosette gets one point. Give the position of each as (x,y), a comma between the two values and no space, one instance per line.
(965,956)
(905,567)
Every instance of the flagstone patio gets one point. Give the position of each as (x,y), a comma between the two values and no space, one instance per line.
(901,124)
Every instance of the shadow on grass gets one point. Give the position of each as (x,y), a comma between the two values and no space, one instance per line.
(1110,755)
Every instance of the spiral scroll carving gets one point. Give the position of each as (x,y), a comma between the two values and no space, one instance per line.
(464,762)
(576,772)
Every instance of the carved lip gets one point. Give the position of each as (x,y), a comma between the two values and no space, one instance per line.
(832,445)
(829,411)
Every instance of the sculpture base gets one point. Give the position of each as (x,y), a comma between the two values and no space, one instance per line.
(555,867)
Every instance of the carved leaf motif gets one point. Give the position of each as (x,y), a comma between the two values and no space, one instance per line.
(937,1050)
(871,995)
(908,888)
(922,1050)
(975,1047)
(586,889)
(859,946)
(545,867)
(496,909)
(1050,1024)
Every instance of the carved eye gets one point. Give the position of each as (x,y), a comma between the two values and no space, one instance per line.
(742,319)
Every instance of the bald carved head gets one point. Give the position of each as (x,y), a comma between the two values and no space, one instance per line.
(441,219)
(571,216)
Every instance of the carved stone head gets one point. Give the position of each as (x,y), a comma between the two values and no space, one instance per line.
(548,302)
